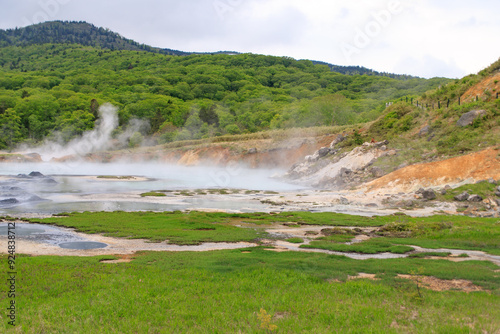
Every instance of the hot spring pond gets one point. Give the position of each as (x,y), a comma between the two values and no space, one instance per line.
(49,188)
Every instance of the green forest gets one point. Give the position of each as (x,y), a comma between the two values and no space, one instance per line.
(48,89)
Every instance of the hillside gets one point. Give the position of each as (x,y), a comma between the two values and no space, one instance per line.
(437,139)
(83,33)
(55,90)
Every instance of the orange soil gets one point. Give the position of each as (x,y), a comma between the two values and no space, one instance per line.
(473,167)
(490,84)
(216,154)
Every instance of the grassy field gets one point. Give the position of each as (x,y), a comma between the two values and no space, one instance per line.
(255,290)
(224,292)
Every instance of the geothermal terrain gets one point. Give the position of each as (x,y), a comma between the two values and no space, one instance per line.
(151,191)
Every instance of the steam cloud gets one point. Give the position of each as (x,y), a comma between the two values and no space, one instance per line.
(91,141)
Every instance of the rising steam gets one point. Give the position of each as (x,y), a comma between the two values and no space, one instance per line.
(91,141)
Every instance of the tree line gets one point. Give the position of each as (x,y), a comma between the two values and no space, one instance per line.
(57,88)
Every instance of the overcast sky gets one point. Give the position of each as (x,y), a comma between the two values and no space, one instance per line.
(426,38)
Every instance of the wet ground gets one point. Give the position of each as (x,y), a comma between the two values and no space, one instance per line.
(38,239)
(44,189)
(38,190)
(50,235)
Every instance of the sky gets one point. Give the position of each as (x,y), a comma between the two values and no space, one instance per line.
(426,38)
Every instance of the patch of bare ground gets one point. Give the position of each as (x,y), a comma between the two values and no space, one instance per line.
(334,280)
(436,284)
(278,249)
(365,276)
(123,258)
(477,166)
(281,315)
(254,153)
(484,90)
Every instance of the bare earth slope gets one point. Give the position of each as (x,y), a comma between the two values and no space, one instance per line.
(485,89)
(468,169)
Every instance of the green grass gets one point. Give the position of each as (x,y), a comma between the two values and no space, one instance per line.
(440,231)
(177,228)
(454,232)
(427,254)
(470,234)
(153,194)
(483,189)
(223,292)
(295,240)
(371,246)
(337,238)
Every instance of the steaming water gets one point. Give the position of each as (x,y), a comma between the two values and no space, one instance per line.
(24,195)
(72,187)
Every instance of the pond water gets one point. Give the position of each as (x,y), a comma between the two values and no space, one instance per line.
(52,235)
(82,245)
(67,187)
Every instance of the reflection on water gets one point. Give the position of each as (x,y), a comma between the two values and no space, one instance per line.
(43,233)
(21,232)
(64,187)
(170,176)
(48,208)
(52,235)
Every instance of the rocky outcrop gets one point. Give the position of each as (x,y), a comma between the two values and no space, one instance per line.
(470,117)
(475,198)
(429,194)
(424,131)
(8,201)
(462,197)
(18,189)
(329,168)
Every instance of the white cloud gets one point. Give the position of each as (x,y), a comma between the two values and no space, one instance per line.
(429,66)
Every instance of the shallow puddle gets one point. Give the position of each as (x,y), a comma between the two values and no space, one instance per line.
(22,231)
(82,245)
(47,234)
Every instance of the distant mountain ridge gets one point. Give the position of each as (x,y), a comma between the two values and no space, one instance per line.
(83,33)
(66,32)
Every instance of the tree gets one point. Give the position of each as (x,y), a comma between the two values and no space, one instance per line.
(74,124)
(94,108)
(10,124)
(135,140)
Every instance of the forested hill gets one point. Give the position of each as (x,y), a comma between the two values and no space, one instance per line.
(83,33)
(360,70)
(48,89)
